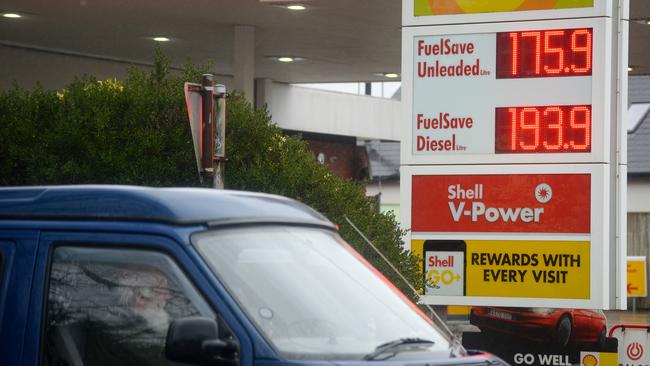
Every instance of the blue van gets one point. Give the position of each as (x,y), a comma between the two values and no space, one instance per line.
(115,275)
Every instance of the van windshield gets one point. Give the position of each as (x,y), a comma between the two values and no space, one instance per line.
(312,297)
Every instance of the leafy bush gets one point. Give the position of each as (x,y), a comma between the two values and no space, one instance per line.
(98,132)
(136,132)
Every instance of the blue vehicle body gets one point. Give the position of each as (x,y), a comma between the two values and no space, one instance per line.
(36,220)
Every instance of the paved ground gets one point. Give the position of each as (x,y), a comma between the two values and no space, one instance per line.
(627,317)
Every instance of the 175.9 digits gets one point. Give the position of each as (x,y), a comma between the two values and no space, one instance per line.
(544,53)
(547,129)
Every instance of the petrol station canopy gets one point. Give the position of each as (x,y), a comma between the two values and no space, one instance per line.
(333,40)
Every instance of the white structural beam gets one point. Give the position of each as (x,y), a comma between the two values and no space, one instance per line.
(319,111)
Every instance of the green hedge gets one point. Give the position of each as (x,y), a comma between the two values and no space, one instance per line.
(136,132)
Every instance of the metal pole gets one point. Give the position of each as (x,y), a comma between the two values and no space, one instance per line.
(220,137)
(207,124)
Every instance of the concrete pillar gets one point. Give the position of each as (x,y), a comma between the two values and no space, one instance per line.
(263,92)
(244,61)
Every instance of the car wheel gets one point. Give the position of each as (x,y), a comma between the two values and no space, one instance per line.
(563,332)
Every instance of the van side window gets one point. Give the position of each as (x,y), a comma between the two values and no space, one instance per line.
(114,306)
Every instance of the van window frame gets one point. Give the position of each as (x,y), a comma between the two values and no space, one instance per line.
(7,249)
(86,248)
(149,242)
(2,270)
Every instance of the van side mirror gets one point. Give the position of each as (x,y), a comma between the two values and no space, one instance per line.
(195,340)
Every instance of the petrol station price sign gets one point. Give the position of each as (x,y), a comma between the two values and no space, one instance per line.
(512,151)
(510,234)
(506,93)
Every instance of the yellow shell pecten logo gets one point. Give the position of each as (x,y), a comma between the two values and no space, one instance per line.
(589,360)
(442,7)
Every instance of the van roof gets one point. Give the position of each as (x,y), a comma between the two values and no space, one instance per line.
(167,205)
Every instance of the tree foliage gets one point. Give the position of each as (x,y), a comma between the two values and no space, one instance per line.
(136,132)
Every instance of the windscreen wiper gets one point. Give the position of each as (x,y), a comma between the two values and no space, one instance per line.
(394,345)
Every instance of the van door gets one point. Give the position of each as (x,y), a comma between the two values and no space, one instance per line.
(109,299)
(17,255)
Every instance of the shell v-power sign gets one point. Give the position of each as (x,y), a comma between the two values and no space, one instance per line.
(513,155)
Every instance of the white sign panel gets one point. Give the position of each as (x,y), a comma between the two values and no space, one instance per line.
(633,344)
(193,100)
(506,93)
(510,235)
(444,67)
(444,273)
(512,151)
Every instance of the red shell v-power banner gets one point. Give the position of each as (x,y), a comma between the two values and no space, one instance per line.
(527,203)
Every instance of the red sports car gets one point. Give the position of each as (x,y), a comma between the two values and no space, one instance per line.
(557,326)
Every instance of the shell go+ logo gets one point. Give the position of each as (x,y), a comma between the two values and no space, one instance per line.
(589,360)
(447,277)
(634,351)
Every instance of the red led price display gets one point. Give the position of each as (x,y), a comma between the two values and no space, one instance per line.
(544,53)
(545,129)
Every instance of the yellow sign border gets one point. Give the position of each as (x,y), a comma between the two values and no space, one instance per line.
(536,279)
(451,7)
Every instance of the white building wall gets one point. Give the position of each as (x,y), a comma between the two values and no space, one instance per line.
(389,192)
(638,196)
(389,198)
(319,111)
